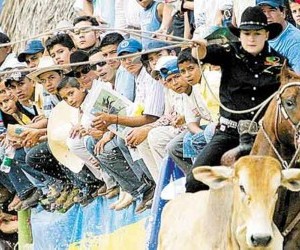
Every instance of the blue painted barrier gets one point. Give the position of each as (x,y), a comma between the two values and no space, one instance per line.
(168,171)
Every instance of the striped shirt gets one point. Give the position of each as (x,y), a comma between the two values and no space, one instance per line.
(149,95)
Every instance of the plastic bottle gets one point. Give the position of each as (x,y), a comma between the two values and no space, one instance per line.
(8,159)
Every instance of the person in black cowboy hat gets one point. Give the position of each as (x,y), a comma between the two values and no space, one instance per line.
(249,76)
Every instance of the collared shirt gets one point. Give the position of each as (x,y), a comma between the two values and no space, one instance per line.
(149,96)
(173,107)
(246,80)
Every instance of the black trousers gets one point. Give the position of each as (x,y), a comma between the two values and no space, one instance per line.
(211,155)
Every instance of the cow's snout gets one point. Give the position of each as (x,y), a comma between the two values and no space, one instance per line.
(259,240)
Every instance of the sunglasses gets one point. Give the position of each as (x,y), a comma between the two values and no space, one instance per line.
(100,64)
(84,71)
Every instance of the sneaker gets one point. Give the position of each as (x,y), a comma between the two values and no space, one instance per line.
(70,200)
(147,197)
(54,191)
(124,203)
(112,192)
(14,203)
(63,197)
(32,200)
(102,190)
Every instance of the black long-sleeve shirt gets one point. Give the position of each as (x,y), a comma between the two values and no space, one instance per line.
(246,80)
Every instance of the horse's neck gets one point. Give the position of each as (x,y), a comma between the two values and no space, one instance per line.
(261,145)
(218,213)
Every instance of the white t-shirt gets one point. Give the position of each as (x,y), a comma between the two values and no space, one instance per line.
(195,107)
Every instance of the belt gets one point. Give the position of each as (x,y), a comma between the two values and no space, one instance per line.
(228,123)
(242,126)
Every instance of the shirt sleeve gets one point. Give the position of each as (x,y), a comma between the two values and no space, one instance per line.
(155,99)
(217,54)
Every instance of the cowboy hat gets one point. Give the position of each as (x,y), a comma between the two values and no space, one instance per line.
(253,18)
(46,64)
(59,126)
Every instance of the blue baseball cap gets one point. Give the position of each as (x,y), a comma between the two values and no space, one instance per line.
(130,46)
(169,67)
(155,45)
(32,47)
(272,3)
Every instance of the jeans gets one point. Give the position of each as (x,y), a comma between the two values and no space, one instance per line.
(83,179)
(108,180)
(211,155)
(175,151)
(138,167)
(41,159)
(113,162)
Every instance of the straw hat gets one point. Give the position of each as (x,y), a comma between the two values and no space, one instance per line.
(59,126)
(44,64)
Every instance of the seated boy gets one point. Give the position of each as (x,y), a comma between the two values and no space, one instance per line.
(200,111)
(71,91)
(19,171)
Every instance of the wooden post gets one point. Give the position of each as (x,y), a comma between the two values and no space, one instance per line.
(24,227)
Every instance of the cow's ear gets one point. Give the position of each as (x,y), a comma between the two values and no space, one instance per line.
(291,179)
(214,177)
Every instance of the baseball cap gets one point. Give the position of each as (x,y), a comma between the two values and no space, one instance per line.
(32,47)
(161,61)
(129,45)
(272,3)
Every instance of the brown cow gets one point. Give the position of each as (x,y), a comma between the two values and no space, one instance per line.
(237,211)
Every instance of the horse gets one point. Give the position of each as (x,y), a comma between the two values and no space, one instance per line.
(278,136)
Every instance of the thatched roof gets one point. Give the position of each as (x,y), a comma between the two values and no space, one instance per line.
(25,18)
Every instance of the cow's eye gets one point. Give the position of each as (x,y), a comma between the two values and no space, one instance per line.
(242,189)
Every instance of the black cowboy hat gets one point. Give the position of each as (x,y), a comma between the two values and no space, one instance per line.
(253,18)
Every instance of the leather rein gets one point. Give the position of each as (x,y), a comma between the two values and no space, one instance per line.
(281,112)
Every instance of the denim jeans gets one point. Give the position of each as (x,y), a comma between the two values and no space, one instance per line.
(138,167)
(41,159)
(175,151)
(113,162)
(211,154)
(82,179)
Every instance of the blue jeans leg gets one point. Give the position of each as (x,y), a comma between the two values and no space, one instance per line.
(114,163)
(138,167)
